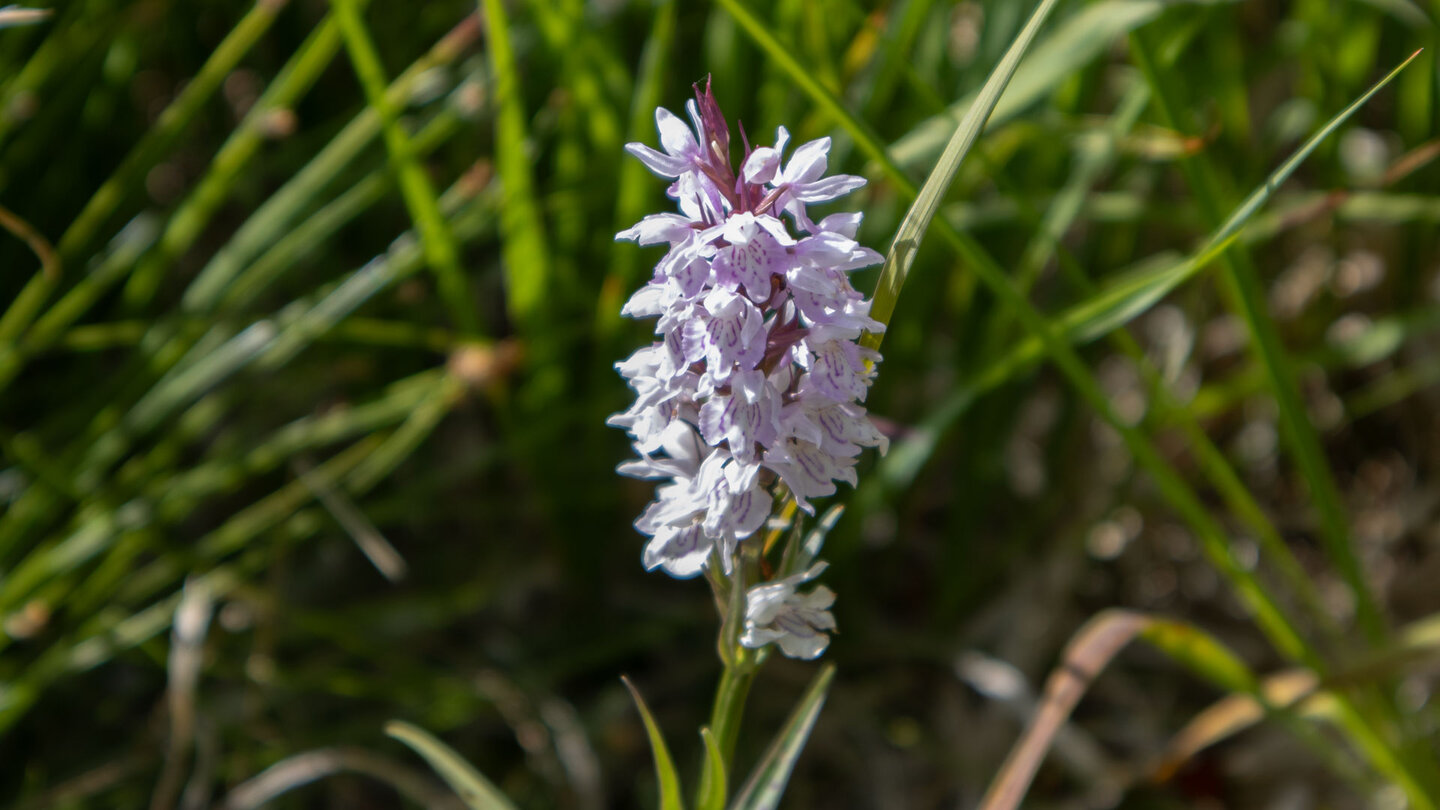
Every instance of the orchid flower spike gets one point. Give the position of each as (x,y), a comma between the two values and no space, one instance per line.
(756,376)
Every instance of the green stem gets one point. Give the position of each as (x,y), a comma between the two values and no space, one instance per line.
(726,713)
(729,706)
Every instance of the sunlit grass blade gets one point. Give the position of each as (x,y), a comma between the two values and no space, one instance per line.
(168,498)
(1090,650)
(267,225)
(416,428)
(309,236)
(766,785)
(917,220)
(107,636)
(665,773)
(438,243)
(269,343)
(526,258)
(1415,645)
(634,186)
(470,785)
(187,223)
(164,134)
(298,770)
(1108,309)
(712,776)
(128,245)
(15,16)
(1076,41)
(1244,286)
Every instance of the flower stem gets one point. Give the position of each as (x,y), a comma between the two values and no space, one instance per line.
(729,706)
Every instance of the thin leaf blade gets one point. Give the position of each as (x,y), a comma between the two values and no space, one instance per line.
(665,773)
(470,785)
(917,220)
(767,783)
(712,780)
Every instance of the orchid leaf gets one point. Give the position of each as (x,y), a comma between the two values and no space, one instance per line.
(470,785)
(665,773)
(767,783)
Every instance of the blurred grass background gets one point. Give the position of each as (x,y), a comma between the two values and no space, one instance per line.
(320,359)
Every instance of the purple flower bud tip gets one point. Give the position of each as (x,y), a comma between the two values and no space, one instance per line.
(715,132)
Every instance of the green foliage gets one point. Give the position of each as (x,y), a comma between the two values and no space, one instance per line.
(762,791)
(337,348)
(670,798)
(469,784)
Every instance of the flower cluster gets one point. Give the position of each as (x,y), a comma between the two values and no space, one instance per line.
(757,374)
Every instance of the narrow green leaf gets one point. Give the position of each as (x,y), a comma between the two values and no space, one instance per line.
(1246,295)
(158,139)
(189,220)
(917,220)
(767,783)
(633,191)
(168,128)
(304,238)
(1076,41)
(712,778)
(1257,198)
(1105,311)
(664,766)
(268,224)
(524,252)
(470,785)
(441,253)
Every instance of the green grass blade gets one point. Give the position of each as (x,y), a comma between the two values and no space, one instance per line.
(528,276)
(159,139)
(1075,42)
(665,773)
(1240,215)
(1245,288)
(305,238)
(1121,302)
(784,57)
(268,223)
(441,253)
(766,784)
(632,197)
(712,777)
(185,226)
(470,785)
(171,124)
(917,220)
